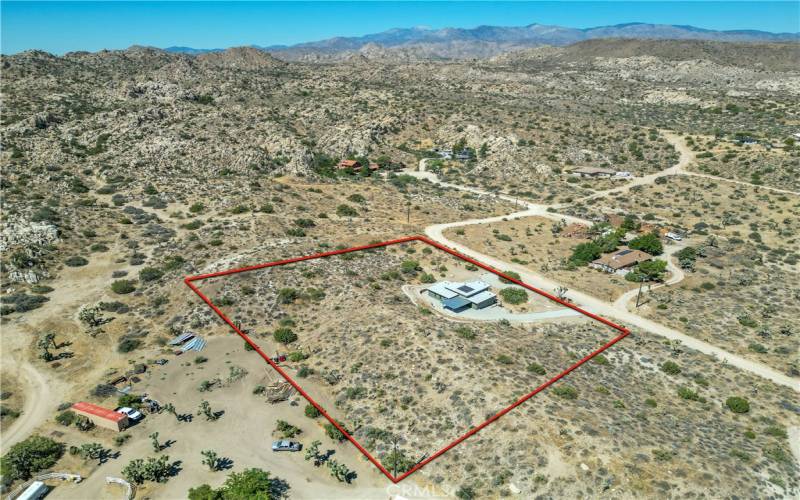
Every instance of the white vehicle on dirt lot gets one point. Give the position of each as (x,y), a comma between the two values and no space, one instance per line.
(286,446)
(130,412)
(674,236)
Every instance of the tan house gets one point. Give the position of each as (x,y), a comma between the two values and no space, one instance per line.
(101,417)
(620,261)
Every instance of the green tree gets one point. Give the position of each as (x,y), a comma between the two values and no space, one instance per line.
(583,253)
(254,484)
(649,243)
(687,257)
(204,492)
(30,456)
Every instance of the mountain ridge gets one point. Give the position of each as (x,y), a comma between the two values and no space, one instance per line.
(488,41)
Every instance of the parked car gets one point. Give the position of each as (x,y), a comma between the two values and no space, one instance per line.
(130,412)
(674,236)
(286,446)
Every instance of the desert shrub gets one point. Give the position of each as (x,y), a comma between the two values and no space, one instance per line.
(409,267)
(284,335)
(130,400)
(66,418)
(128,344)
(687,393)
(304,223)
(427,278)
(311,411)
(513,295)
(504,359)
(23,302)
(122,287)
(536,368)
(346,211)
(286,429)
(737,404)
(287,295)
(76,261)
(510,274)
(150,274)
(356,198)
(332,432)
(566,392)
(465,332)
(297,356)
(670,368)
(465,492)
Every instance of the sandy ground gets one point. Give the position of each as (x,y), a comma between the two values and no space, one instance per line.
(243,434)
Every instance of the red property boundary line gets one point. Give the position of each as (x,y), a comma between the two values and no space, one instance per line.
(624,332)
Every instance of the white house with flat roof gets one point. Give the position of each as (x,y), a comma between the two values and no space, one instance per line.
(458,296)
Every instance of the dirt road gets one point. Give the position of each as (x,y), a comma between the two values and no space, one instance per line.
(617,310)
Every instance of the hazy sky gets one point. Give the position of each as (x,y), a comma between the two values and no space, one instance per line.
(60,27)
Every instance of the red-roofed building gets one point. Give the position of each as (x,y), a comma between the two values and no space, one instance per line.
(102,417)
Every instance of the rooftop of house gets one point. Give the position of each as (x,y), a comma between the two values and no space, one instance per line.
(449,289)
(622,258)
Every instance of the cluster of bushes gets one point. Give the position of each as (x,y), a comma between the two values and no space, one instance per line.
(514,295)
(29,457)
(20,302)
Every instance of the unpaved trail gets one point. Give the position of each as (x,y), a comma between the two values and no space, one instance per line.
(617,310)
(43,390)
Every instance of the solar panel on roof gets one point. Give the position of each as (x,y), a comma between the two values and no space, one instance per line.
(625,252)
(465,288)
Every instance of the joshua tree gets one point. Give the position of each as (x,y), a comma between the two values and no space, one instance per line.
(156,444)
(45,342)
(205,409)
(211,459)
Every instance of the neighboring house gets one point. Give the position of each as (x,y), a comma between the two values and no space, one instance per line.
(101,417)
(348,164)
(624,174)
(620,261)
(593,172)
(463,155)
(575,230)
(374,166)
(459,296)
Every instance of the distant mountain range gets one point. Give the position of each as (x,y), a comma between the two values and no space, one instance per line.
(488,41)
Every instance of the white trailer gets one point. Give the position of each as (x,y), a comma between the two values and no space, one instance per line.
(35,491)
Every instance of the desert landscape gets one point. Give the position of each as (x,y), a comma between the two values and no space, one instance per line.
(654,183)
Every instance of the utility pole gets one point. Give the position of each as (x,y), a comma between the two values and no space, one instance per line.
(638,295)
(408,212)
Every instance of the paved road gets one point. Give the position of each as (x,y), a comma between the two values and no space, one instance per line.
(591,303)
